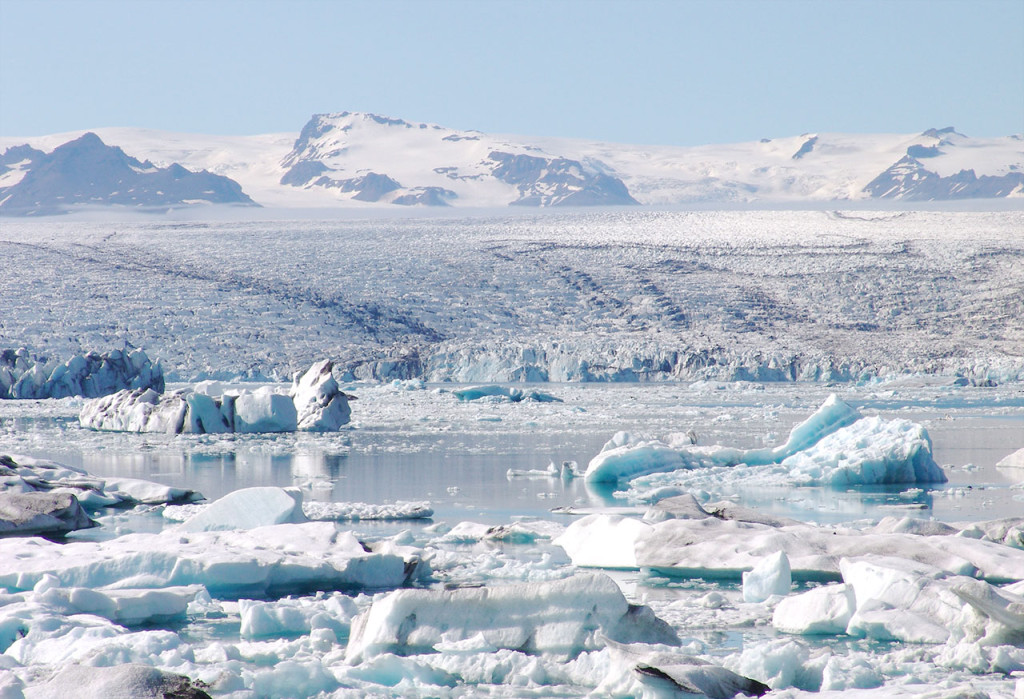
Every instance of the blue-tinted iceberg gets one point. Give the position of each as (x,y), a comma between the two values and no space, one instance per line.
(89,375)
(834,446)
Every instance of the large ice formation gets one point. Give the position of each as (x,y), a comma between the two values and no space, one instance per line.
(282,558)
(90,375)
(834,446)
(564,618)
(724,549)
(314,403)
(320,404)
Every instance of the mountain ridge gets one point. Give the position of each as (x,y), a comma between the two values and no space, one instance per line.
(361,160)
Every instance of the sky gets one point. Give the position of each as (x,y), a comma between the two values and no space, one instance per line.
(684,72)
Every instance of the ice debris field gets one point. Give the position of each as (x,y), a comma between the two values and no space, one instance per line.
(350,524)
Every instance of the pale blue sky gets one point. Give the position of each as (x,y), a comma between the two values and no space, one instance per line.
(686,72)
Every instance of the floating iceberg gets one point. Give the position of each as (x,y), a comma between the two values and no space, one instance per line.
(513,395)
(894,599)
(564,618)
(724,549)
(90,375)
(248,508)
(314,403)
(26,514)
(128,680)
(282,558)
(24,474)
(320,404)
(834,446)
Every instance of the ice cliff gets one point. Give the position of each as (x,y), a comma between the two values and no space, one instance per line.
(90,375)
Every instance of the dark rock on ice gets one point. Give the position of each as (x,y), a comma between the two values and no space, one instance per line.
(116,682)
(29,514)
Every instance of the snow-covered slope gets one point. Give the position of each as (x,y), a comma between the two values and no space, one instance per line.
(360,160)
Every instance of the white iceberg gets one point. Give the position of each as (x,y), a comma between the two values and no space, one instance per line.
(248,508)
(281,558)
(320,404)
(771,576)
(724,549)
(563,618)
(123,680)
(314,403)
(510,394)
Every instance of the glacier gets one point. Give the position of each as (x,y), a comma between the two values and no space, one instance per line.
(714,340)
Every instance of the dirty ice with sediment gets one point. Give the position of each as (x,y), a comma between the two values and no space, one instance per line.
(773,453)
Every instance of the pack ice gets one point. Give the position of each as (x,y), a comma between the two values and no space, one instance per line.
(315,403)
(834,446)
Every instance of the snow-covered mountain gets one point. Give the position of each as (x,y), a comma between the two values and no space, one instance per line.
(86,171)
(364,160)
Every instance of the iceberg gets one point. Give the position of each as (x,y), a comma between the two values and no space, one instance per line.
(27,514)
(834,446)
(563,618)
(279,558)
(724,549)
(513,395)
(314,403)
(90,375)
(771,576)
(248,508)
(127,680)
(319,403)
(24,474)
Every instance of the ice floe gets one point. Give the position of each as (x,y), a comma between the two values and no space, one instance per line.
(564,617)
(504,393)
(41,497)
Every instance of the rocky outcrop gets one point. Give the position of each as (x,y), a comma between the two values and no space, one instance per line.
(87,172)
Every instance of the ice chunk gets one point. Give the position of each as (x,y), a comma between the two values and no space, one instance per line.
(296,616)
(870,451)
(514,395)
(682,675)
(603,541)
(771,576)
(27,514)
(148,492)
(833,446)
(831,416)
(127,680)
(282,557)
(632,460)
(717,548)
(1014,460)
(265,410)
(914,603)
(249,508)
(123,606)
(563,618)
(320,404)
(139,410)
(823,610)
